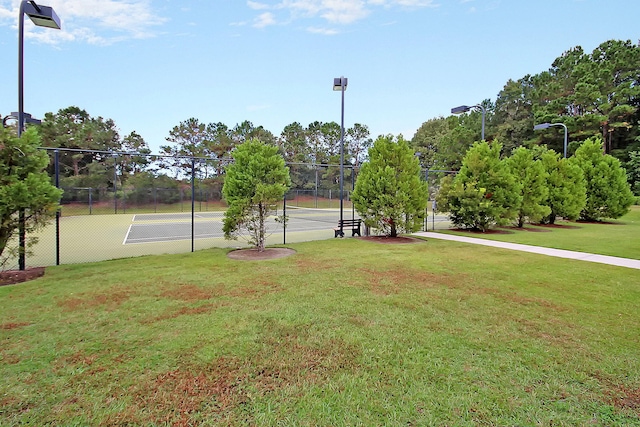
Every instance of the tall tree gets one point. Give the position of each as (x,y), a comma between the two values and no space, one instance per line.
(442,142)
(531,174)
(514,113)
(74,128)
(293,143)
(633,171)
(567,193)
(389,193)
(24,186)
(246,131)
(484,193)
(188,139)
(357,143)
(608,192)
(135,163)
(254,183)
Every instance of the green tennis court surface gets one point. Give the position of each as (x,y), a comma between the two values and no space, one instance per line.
(166,227)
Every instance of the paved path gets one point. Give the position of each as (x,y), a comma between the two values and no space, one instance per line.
(561,253)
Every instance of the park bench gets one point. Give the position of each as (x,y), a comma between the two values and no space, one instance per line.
(353,224)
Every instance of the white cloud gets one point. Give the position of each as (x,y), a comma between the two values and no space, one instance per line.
(264,20)
(341,12)
(323,31)
(90,21)
(257,6)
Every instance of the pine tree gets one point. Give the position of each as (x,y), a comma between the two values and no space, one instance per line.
(531,174)
(567,193)
(484,193)
(24,186)
(608,192)
(389,194)
(254,183)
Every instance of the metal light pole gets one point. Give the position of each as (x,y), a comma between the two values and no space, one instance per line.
(464,108)
(548,125)
(42,16)
(340,84)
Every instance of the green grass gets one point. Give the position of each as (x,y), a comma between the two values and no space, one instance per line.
(612,237)
(344,333)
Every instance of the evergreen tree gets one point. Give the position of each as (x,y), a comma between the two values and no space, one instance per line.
(531,175)
(608,192)
(254,183)
(567,193)
(24,186)
(389,193)
(484,193)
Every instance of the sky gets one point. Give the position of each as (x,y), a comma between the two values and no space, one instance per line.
(151,64)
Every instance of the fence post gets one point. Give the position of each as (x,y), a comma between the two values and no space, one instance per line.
(115,183)
(57,171)
(284,220)
(193,202)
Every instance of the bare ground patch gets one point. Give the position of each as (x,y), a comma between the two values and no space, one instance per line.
(187,292)
(111,301)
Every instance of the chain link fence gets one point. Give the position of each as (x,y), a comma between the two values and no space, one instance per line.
(118,205)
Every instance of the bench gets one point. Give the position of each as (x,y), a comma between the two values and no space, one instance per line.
(353,224)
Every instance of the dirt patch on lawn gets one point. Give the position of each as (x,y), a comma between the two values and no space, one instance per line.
(11,277)
(256,255)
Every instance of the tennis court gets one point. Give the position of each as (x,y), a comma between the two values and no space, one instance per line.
(166,227)
(87,238)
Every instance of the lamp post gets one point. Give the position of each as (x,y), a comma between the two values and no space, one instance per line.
(548,125)
(42,16)
(464,108)
(340,84)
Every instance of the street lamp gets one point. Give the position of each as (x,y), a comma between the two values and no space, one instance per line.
(340,84)
(42,16)
(548,125)
(464,108)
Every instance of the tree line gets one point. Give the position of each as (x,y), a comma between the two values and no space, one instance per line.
(594,94)
(92,139)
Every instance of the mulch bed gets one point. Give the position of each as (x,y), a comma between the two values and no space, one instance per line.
(11,277)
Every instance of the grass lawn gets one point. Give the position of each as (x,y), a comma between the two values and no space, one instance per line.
(613,237)
(343,333)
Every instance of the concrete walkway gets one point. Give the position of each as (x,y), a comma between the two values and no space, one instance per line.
(561,253)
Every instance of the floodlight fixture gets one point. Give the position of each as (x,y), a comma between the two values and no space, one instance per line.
(461,109)
(465,108)
(340,84)
(542,126)
(42,16)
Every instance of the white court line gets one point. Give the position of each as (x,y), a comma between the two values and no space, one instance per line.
(126,236)
(141,240)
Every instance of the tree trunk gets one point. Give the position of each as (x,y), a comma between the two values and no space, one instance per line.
(394,231)
(261,228)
